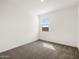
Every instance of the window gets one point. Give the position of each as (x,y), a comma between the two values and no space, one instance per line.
(45,24)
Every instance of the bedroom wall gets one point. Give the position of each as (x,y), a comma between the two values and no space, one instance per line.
(78,26)
(62,26)
(17,25)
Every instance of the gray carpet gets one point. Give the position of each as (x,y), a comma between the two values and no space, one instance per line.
(41,50)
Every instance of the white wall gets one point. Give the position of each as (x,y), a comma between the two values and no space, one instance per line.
(17,25)
(78,26)
(62,26)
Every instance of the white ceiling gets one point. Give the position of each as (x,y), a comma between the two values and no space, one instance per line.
(36,7)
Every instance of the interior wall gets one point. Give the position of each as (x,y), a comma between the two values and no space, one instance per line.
(78,26)
(62,26)
(17,25)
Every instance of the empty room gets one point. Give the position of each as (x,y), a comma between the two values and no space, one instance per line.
(39,29)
